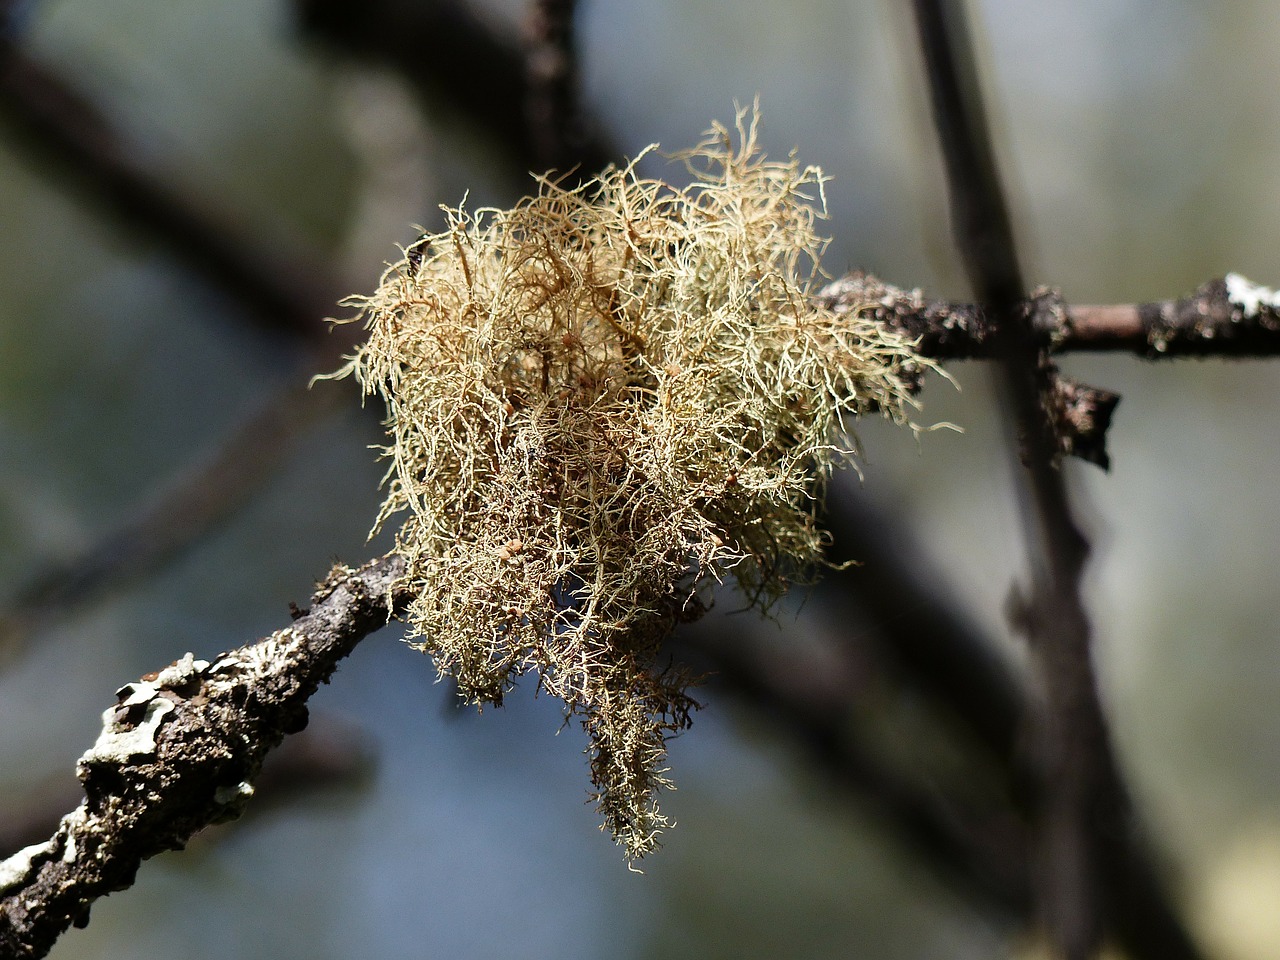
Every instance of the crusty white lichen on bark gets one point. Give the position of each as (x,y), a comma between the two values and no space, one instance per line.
(178,751)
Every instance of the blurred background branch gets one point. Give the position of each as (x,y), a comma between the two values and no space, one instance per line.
(1082,818)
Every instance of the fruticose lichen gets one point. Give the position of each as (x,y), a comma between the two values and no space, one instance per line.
(601,403)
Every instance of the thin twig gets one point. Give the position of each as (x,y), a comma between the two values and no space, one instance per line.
(178,751)
(1082,799)
(1225,317)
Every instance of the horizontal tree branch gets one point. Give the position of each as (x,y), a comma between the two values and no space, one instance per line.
(179,751)
(1226,317)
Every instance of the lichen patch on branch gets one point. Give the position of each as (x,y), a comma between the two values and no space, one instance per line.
(601,403)
(1249,296)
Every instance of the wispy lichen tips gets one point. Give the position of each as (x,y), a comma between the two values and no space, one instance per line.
(601,402)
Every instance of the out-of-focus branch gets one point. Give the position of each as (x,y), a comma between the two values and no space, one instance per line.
(925,639)
(925,633)
(179,751)
(1068,880)
(983,849)
(553,108)
(280,289)
(195,502)
(454,57)
(1083,810)
(917,639)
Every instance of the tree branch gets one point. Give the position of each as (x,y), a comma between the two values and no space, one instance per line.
(553,110)
(332,754)
(1227,317)
(281,290)
(1083,806)
(179,751)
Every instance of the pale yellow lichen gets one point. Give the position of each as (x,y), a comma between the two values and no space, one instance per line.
(600,403)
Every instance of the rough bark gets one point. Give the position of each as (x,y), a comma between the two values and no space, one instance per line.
(179,751)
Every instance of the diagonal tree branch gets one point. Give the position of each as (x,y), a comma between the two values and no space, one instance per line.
(280,290)
(179,751)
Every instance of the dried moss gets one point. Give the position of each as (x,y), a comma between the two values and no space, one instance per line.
(602,402)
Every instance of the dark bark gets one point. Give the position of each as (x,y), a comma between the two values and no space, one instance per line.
(179,751)
(1082,806)
(1224,317)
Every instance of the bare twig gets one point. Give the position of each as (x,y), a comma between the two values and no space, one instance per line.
(179,751)
(1082,800)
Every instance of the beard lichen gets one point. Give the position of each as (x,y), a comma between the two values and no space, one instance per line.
(601,403)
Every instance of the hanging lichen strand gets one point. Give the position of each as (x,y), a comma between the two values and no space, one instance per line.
(602,402)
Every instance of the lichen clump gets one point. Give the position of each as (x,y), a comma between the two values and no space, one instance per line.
(601,403)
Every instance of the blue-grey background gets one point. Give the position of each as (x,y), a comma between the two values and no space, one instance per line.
(1139,141)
